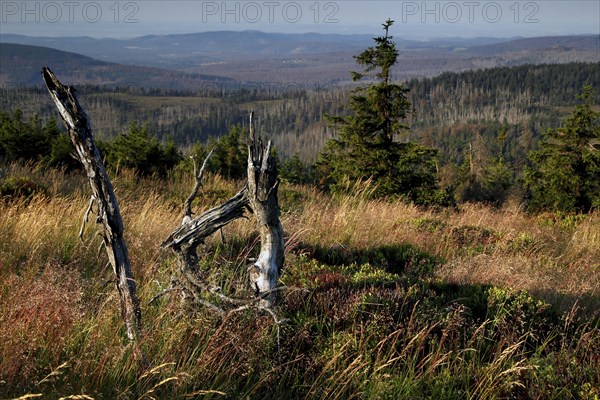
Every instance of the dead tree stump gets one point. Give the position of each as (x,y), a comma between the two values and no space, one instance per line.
(260,197)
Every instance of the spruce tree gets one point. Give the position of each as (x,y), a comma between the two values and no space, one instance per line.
(366,146)
(141,151)
(565,170)
(230,153)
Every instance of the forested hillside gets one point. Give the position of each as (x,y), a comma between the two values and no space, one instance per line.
(508,94)
(455,110)
(449,110)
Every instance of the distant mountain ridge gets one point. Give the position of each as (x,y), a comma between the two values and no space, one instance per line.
(185,50)
(302,59)
(21,64)
(585,42)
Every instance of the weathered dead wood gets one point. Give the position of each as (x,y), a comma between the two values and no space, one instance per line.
(198,175)
(194,232)
(262,196)
(103,194)
(185,240)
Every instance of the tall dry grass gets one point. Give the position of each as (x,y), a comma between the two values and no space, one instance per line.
(557,260)
(361,331)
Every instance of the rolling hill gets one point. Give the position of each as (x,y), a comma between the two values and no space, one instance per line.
(20,65)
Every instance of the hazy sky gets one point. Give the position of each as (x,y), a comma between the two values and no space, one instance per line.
(414,19)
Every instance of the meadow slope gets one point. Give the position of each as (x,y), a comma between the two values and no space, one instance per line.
(386,300)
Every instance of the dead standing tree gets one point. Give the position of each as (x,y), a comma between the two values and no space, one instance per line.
(262,194)
(260,197)
(103,197)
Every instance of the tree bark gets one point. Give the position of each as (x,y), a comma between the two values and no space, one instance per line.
(262,196)
(103,194)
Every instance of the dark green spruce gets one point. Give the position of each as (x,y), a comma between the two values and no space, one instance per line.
(367,145)
(565,170)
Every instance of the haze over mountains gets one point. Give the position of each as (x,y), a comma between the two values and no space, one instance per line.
(188,61)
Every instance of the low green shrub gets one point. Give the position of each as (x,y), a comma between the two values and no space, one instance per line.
(17,187)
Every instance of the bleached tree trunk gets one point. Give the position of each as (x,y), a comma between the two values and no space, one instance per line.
(262,195)
(102,195)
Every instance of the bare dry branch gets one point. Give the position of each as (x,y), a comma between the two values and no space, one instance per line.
(164,292)
(198,175)
(194,232)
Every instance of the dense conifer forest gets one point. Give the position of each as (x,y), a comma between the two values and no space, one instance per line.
(529,96)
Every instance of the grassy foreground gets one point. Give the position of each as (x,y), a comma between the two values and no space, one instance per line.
(396,302)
